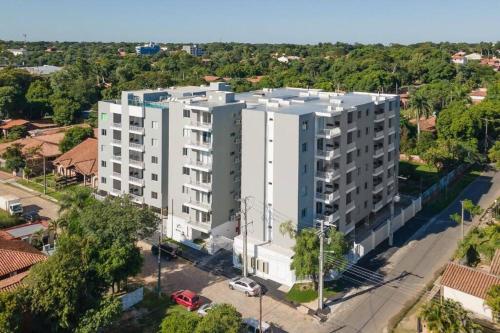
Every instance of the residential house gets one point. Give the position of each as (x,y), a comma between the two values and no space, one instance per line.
(426,124)
(459,58)
(478,95)
(18,52)
(26,231)
(474,57)
(80,162)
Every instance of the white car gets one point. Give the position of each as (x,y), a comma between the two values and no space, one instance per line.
(203,310)
(246,285)
(251,325)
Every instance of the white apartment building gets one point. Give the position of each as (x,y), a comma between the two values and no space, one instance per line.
(308,156)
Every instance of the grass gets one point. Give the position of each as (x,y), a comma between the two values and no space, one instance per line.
(419,177)
(36,184)
(304,292)
(445,199)
(8,221)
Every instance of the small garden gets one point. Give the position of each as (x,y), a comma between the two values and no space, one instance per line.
(416,178)
(305,292)
(54,189)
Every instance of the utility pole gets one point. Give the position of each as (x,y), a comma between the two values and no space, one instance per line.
(244,201)
(321,263)
(44,176)
(462,203)
(486,137)
(260,310)
(159,254)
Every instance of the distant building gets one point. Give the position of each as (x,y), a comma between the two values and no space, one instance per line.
(122,52)
(17,52)
(286,59)
(459,58)
(147,49)
(474,57)
(478,95)
(42,70)
(51,49)
(469,287)
(426,124)
(80,162)
(193,50)
(492,62)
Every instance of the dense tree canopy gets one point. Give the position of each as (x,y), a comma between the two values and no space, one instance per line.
(74,136)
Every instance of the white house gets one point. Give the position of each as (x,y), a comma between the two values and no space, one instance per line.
(17,52)
(469,287)
(474,57)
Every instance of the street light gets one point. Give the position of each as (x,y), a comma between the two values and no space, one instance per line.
(396,198)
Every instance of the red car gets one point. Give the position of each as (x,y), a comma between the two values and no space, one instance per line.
(187,299)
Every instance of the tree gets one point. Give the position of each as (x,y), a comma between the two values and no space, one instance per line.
(74,136)
(305,261)
(180,322)
(471,208)
(65,111)
(493,298)
(13,308)
(447,316)
(494,154)
(105,313)
(422,108)
(17,132)
(223,318)
(38,96)
(7,98)
(14,159)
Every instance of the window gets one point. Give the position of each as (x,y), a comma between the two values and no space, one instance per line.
(367,130)
(305,168)
(184,152)
(366,149)
(154,142)
(154,177)
(154,195)
(357,189)
(185,209)
(304,147)
(358,152)
(305,125)
(186,132)
(349,118)
(154,124)
(104,116)
(349,138)
(102,147)
(366,185)
(367,111)
(303,190)
(103,132)
(154,159)
(359,134)
(186,114)
(366,204)
(303,213)
(185,171)
(360,113)
(103,164)
(103,180)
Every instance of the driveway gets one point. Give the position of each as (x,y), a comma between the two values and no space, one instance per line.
(31,201)
(181,274)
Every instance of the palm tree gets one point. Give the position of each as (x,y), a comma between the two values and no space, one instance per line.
(74,201)
(422,107)
(447,316)
(458,93)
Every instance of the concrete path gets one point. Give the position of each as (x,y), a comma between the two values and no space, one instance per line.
(407,267)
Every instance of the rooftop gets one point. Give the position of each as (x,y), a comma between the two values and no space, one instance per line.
(83,157)
(26,229)
(468,280)
(8,124)
(17,255)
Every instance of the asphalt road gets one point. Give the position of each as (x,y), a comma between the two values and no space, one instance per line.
(405,268)
(31,201)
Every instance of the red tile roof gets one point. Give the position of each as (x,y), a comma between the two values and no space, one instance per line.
(468,280)
(17,255)
(426,124)
(12,282)
(8,124)
(495,264)
(211,78)
(83,157)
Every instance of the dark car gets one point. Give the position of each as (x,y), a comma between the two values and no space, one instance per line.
(31,217)
(168,251)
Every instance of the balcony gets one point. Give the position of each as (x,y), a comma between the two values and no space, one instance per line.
(328,133)
(391,147)
(136,181)
(116,158)
(328,154)
(377,170)
(136,129)
(136,146)
(115,192)
(379,133)
(350,207)
(116,142)
(350,166)
(378,152)
(199,205)
(377,206)
(390,181)
(328,218)
(116,175)
(377,188)
(199,165)
(351,146)
(199,126)
(116,126)
(136,164)
(326,175)
(379,116)
(200,186)
(136,198)
(391,131)
(199,145)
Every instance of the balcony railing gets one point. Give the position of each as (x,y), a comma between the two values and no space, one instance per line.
(377,188)
(200,125)
(325,175)
(116,141)
(138,129)
(200,164)
(329,133)
(328,217)
(379,133)
(199,205)
(116,158)
(117,175)
(379,116)
(378,152)
(200,144)
(205,187)
(137,146)
(377,206)
(136,163)
(135,180)
(350,207)
(136,198)
(351,146)
(115,192)
(378,170)
(391,147)
(117,126)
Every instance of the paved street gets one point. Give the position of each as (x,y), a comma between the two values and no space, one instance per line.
(417,258)
(31,201)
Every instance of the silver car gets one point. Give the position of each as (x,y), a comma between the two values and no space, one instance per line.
(203,310)
(246,285)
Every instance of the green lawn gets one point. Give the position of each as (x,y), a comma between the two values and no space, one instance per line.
(37,185)
(304,292)
(419,177)
(8,221)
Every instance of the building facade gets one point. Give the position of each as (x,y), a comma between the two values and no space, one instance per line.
(310,156)
(194,50)
(147,49)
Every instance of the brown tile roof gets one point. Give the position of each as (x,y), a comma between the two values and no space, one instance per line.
(426,124)
(11,283)
(82,157)
(495,264)
(211,78)
(8,124)
(48,144)
(468,280)
(17,255)
(255,79)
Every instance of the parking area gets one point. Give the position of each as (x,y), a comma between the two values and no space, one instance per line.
(31,201)
(181,274)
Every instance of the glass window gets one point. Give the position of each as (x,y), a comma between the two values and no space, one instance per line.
(154,176)
(154,159)
(154,195)
(103,180)
(103,132)
(154,124)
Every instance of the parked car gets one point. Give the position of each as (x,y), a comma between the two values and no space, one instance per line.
(168,251)
(246,285)
(205,308)
(31,217)
(187,299)
(251,325)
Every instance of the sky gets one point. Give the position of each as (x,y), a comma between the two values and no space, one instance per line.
(253,21)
